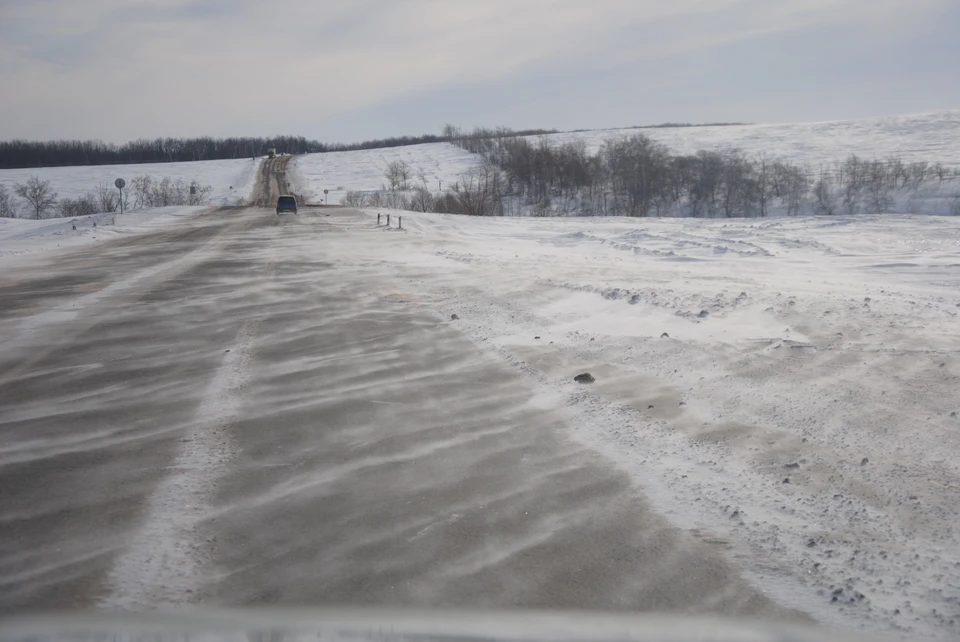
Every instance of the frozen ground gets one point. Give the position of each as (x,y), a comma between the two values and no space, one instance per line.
(433,163)
(232,180)
(919,137)
(788,389)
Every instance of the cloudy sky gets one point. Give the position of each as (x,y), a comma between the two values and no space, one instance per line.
(344,70)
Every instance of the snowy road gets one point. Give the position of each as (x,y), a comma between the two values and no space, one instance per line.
(241,408)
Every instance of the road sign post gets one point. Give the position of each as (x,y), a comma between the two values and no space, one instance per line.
(120,183)
(325,192)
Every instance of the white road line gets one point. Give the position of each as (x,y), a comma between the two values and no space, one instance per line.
(163,564)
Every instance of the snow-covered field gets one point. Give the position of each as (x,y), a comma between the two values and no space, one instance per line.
(787,389)
(440,164)
(232,180)
(933,137)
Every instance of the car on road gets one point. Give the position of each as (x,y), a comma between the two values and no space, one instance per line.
(287,204)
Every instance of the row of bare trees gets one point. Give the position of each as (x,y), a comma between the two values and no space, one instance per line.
(54,153)
(38,199)
(636,176)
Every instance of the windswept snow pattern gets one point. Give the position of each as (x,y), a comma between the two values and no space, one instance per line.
(785,388)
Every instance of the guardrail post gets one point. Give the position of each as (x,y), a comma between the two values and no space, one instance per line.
(400,222)
(388,220)
(378,218)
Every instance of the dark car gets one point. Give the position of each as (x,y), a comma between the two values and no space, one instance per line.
(287,204)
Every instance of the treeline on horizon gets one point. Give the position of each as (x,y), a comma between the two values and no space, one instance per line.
(16,154)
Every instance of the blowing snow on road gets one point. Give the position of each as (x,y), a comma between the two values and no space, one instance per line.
(236,408)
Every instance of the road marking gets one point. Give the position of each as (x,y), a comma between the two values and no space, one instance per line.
(164,563)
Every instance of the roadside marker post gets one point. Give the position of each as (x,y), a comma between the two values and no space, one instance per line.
(120,183)
(400,222)
(378,218)
(388,220)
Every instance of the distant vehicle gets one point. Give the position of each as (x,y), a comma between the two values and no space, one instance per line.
(287,204)
(271,153)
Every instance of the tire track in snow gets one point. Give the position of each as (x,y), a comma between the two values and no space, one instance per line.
(164,563)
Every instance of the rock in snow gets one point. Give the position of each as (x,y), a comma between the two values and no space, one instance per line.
(586,377)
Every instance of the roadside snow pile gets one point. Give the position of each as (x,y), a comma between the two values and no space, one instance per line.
(20,237)
(437,165)
(232,180)
(786,388)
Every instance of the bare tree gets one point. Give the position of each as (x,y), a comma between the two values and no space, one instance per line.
(941,171)
(397,174)
(918,174)
(824,202)
(82,206)
(107,197)
(421,200)
(38,195)
(375,199)
(764,178)
(478,191)
(355,199)
(7,207)
(141,187)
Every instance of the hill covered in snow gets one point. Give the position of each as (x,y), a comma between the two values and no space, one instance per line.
(903,164)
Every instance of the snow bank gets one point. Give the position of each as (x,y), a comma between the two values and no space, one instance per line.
(232,180)
(21,237)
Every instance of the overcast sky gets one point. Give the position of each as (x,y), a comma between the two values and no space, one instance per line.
(345,70)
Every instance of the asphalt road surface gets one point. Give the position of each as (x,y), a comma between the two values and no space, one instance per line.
(222,414)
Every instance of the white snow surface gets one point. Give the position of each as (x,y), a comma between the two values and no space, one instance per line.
(363,170)
(801,414)
(933,137)
(232,180)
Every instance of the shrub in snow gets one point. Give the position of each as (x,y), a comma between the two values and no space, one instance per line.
(74,207)
(355,199)
(8,208)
